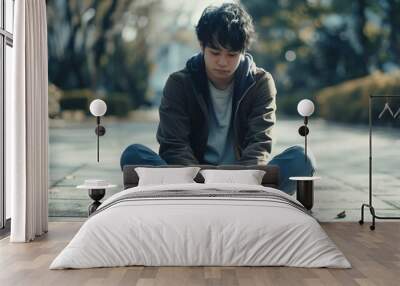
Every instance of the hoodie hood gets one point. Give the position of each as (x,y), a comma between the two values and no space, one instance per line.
(244,74)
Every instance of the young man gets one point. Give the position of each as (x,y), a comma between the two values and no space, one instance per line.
(220,109)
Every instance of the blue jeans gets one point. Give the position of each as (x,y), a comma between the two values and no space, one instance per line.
(291,162)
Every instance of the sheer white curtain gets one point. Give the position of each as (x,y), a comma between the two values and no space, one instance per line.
(27,123)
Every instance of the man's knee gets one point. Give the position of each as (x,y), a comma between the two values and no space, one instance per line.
(133,148)
(138,154)
(296,149)
(128,153)
(300,152)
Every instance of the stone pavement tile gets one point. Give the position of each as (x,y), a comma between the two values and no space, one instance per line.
(326,215)
(344,202)
(68,208)
(329,215)
(67,193)
(344,198)
(109,173)
(66,219)
(77,177)
(72,202)
(332,183)
(358,181)
(57,174)
(386,184)
(395,203)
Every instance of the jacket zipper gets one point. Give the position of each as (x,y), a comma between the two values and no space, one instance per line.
(235,119)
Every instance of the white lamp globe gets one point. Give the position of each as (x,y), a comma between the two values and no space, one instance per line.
(98,107)
(305,107)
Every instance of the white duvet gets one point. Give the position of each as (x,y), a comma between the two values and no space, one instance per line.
(226,231)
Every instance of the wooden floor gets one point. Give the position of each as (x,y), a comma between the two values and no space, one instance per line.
(374,255)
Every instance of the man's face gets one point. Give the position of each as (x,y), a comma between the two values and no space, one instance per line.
(221,63)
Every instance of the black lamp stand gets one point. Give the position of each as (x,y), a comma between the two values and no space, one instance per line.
(100,131)
(303,131)
(305,188)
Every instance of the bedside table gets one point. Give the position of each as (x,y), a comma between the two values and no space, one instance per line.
(305,190)
(96,190)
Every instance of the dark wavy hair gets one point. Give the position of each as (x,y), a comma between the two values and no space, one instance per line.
(229,26)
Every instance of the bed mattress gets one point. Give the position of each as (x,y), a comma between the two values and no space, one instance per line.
(201,225)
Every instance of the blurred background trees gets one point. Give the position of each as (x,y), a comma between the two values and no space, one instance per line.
(100,48)
(124,50)
(316,43)
(309,45)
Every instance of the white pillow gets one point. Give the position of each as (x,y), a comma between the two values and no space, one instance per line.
(248,177)
(165,176)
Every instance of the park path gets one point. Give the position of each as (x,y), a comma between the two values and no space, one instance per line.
(341,152)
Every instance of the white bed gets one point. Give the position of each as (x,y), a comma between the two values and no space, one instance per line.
(265,229)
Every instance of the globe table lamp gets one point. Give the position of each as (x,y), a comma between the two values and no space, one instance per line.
(305,185)
(98,108)
(305,108)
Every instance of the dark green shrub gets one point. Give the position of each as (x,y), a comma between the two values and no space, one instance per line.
(349,101)
(118,104)
(78,99)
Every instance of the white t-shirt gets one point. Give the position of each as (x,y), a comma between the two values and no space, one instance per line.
(220,143)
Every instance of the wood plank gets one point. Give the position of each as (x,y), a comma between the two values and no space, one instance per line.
(374,255)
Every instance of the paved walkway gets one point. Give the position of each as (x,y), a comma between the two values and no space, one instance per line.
(341,152)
